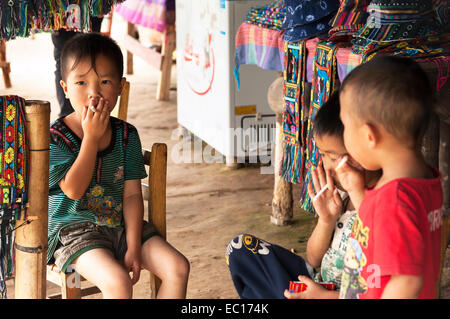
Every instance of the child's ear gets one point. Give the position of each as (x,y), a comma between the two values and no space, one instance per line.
(63,85)
(122,84)
(372,135)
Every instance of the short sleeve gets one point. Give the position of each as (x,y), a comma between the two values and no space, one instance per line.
(134,160)
(398,240)
(61,159)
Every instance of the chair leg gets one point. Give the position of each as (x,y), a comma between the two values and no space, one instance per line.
(70,286)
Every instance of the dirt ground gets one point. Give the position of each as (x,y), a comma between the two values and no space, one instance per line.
(207,204)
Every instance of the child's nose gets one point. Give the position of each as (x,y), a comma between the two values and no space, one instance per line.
(94,90)
(94,97)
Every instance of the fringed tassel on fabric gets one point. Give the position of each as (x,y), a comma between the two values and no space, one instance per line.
(325,81)
(292,168)
(313,160)
(305,200)
(6,249)
(14,174)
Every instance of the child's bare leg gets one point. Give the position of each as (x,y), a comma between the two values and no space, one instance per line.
(101,268)
(168,264)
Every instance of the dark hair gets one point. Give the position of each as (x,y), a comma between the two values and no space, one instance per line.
(393,92)
(90,45)
(327,120)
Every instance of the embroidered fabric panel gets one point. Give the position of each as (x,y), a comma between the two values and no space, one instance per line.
(14,155)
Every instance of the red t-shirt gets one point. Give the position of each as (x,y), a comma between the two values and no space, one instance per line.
(397,231)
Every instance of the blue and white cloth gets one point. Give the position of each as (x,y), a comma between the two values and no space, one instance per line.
(308,18)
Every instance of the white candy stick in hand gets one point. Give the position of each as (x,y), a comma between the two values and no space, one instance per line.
(342,162)
(320,192)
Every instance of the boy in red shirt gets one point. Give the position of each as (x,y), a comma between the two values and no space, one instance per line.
(394,249)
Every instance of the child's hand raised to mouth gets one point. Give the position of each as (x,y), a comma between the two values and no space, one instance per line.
(95,119)
(93,103)
(352,179)
(326,200)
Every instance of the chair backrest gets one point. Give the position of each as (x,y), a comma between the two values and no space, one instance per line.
(121,110)
(155,190)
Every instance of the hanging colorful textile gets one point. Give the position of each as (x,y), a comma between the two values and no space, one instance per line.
(270,16)
(324,82)
(292,118)
(442,11)
(350,18)
(306,18)
(442,64)
(13,179)
(391,21)
(18,17)
(152,14)
(258,46)
(417,48)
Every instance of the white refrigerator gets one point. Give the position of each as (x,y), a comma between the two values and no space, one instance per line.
(237,123)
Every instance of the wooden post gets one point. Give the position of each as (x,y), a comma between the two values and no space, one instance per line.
(163,89)
(4,65)
(282,202)
(31,239)
(131,33)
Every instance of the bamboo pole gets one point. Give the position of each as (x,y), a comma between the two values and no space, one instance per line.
(31,239)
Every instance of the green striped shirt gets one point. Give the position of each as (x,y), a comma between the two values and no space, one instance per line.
(102,203)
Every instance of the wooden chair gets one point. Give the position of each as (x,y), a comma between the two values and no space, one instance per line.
(121,111)
(4,65)
(154,191)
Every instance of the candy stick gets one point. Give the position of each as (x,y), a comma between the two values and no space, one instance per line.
(320,192)
(342,162)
